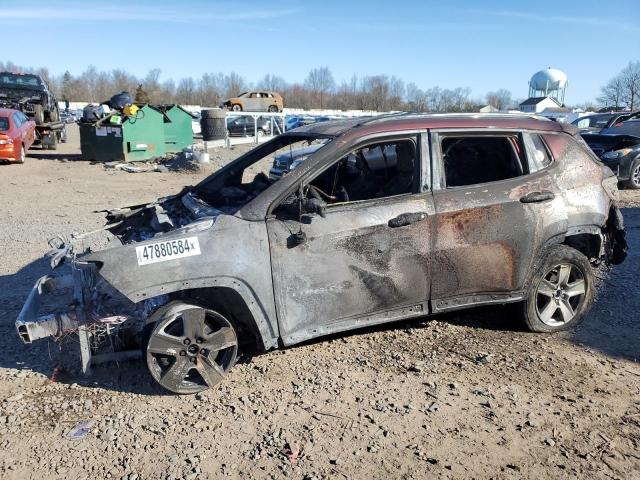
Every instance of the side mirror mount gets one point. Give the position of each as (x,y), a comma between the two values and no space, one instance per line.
(314,205)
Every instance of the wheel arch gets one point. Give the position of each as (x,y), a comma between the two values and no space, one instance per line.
(230,296)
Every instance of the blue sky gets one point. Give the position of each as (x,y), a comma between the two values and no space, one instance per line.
(483,45)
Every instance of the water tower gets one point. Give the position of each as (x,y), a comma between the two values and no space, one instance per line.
(548,83)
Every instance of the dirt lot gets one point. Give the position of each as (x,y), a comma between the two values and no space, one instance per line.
(457,396)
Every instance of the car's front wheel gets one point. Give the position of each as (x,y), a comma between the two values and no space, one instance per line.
(273,108)
(634,175)
(190,348)
(236,107)
(560,292)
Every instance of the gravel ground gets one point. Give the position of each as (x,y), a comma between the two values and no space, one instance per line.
(468,395)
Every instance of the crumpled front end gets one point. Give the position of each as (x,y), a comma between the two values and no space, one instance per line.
(60,303)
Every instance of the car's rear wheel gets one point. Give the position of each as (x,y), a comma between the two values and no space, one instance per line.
(273,109)
(236,107)
(560,292)
(23,155)
(634,175)
(190,348)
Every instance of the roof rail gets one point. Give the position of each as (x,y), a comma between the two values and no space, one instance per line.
(387,116)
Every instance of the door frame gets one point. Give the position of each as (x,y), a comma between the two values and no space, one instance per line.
(422,188)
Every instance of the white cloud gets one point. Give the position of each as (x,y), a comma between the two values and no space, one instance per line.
(134,14)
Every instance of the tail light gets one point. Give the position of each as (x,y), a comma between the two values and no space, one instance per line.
(5,140)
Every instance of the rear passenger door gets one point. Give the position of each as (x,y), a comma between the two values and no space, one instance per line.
(494,210)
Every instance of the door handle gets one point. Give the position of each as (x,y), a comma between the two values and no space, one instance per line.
(536,197)
(405,219)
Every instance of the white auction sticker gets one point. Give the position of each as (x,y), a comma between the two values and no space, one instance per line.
(167,250)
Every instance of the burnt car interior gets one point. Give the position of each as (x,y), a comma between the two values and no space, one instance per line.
(377,170)
(469,160)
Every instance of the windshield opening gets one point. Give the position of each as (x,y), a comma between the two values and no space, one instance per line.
(234,185)
(11,79)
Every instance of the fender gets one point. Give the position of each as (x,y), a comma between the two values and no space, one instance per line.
(268,330)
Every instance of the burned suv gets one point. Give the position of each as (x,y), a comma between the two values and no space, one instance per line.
(456,211)
(30,94)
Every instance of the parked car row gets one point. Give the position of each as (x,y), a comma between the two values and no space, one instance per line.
(615,139)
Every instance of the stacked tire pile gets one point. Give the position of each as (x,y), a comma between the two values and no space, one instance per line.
(212,124)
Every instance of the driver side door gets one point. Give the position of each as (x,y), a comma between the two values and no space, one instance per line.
(365,262)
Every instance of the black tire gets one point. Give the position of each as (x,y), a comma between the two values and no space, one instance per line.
(634,176)
(236,107)
(273,109)
(562,273)
(54,142)
(23,154)
(38,114)
(53,115)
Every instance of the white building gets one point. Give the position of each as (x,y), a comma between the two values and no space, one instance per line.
(538,104)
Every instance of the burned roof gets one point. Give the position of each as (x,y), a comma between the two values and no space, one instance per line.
(411,121)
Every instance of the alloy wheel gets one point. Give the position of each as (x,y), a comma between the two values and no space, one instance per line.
(560,294)
(635,176)
(191,349)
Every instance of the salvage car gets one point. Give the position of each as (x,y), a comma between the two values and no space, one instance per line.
(255,102)
(476,210)
(30,94)
(619,149)
(597,122)
(245,126)
(17,134)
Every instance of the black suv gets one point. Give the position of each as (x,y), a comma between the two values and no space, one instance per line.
(30,94)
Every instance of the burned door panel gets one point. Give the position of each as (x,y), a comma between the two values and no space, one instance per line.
(488,234)
(352,264)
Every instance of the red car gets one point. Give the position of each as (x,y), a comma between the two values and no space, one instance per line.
(17,134)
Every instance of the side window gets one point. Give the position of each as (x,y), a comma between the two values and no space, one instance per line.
(17,120)
(539,156)
(469,160)
(378,170)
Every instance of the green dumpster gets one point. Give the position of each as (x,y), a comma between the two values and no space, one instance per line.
(178,131)
(135,139)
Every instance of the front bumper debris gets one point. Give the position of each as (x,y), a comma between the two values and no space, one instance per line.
(55,294)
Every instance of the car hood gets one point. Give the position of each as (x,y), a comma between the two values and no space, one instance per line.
(607,142)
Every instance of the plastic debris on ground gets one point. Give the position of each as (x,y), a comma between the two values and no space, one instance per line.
(81,429)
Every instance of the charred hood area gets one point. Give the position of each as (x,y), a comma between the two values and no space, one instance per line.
(142,222)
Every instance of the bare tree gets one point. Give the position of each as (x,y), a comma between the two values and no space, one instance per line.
(234,84)
(500,99)
(320,81)
(273,83)
(611,94)
(623,90)
(630,78)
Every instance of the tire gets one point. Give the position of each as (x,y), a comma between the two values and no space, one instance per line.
(54,115)
(261,133)
(38,114)
(22,154)
(273,109)
(54,143)
(560,292)
(236,107)
(634,176)
(186,365)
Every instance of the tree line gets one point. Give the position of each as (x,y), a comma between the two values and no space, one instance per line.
(318,90)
